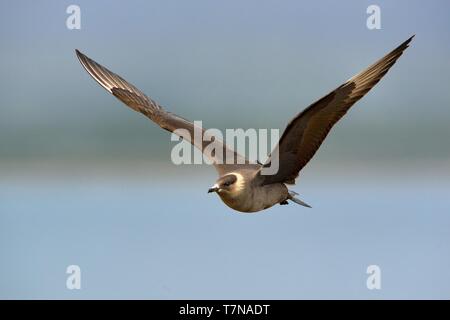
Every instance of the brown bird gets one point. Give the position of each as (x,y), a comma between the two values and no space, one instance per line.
(242,185)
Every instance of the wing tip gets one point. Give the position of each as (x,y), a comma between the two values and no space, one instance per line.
(82,58)
(79,54)
(407,42)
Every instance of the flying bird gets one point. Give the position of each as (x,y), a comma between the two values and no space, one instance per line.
(241,184)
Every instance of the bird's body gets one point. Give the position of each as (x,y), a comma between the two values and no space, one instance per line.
(249,195)
(243,185)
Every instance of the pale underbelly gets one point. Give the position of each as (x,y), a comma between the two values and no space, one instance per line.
(260,199)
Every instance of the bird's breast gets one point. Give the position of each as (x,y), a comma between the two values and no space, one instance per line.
(255,198)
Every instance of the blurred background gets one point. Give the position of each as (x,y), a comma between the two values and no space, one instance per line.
(86,181)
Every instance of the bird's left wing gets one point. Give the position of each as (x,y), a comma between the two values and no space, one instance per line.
(138,101)
(306,132)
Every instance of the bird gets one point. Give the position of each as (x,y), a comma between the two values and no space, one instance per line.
(241,185)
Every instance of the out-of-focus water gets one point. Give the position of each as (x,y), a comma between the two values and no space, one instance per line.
(150,238)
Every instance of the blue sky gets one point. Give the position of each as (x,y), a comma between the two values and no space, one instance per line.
(263,60)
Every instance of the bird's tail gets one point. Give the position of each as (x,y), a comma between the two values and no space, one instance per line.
(292,197)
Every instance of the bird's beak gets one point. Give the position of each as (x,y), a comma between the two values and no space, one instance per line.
(214,188)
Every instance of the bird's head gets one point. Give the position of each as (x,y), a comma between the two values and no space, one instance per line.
(227,184)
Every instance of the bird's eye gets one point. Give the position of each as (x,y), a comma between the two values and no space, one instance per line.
(227,184)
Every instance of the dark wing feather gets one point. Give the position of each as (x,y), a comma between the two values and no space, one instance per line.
(306,132)
(138,101)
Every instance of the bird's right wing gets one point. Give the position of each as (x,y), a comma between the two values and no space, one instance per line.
(305,132)
(138,101)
